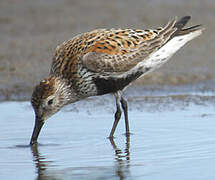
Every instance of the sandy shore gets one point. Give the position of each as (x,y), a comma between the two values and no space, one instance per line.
(30,31)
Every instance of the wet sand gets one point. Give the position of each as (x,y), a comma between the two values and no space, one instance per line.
(31,30)
(173,138)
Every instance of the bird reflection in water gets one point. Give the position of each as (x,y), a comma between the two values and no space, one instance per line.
(122,158)
(41,164)
(121,169)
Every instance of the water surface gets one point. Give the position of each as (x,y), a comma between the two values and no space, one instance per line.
(176,142)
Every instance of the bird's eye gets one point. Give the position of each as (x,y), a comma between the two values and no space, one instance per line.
(50,101)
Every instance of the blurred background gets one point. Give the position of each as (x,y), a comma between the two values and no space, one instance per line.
(30,30)
(171,111)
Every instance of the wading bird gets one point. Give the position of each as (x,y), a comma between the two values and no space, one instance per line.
(105,61)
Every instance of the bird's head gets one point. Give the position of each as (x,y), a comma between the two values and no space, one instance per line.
(48,97)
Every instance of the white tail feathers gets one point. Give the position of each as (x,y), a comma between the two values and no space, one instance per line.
(165,52)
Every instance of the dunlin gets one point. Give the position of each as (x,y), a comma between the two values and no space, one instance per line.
(105,61)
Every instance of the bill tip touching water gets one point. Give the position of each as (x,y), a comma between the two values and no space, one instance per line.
(106,61)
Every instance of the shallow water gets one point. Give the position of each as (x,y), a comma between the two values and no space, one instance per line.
(167,143)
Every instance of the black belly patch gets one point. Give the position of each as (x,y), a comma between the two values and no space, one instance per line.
(111,84)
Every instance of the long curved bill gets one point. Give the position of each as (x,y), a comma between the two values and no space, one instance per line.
(37,127)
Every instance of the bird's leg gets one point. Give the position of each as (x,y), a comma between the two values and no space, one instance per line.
(125,109)
(117,114)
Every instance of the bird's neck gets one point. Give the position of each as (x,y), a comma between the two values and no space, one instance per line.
(67,92)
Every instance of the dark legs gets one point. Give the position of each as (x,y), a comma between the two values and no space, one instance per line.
(118,113)
(125,109)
